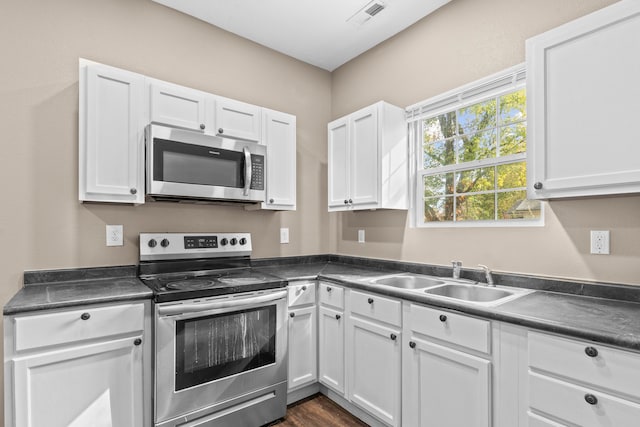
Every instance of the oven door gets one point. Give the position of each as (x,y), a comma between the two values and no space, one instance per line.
(212,351)
(185,164)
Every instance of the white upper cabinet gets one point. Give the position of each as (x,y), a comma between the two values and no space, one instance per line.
(583,90)
(111,134)
(178,106)
(279,135)
(235,119)
(368,159)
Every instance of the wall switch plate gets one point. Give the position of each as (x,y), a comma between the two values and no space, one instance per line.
(600,242)
(360,236)
(284,235)
(114,235)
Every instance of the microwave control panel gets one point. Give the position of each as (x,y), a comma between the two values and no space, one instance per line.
(257,172)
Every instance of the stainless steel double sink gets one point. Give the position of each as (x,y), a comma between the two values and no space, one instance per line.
(453,289)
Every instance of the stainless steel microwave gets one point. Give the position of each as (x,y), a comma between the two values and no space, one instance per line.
(187,165)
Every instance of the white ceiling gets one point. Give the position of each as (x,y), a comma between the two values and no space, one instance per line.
(313,31)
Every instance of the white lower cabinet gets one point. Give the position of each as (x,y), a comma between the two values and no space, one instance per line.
(88,378)
(303,335)
(443,382)
(374,369)
(331,349)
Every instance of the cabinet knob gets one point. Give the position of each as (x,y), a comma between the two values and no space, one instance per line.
(442,318)
(350,201)
(338,317)
(220,130)
(329,289)
(304,288)
(591,399)
(537,186)
(292,315)
(591,351)
(346,202)
(271,200)
(85,316)
(137,341)
(370,300)
(393,337)
(412,344)
(133,191)
(202,126)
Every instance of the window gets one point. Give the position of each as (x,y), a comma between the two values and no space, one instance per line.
(471,146)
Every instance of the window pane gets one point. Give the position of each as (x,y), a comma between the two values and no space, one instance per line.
(513,139)
(513,107)
(512,175)
(481,145)
(438,185)
(438,209)
(477,117)
(439,153)
(440,127)
(475,208)
(475,180)
(514,205)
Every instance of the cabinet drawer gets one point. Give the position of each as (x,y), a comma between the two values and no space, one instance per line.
(69,326)
(568,402)
(302,293)
(332,295)
(376,307)
(609,368)
(450,327)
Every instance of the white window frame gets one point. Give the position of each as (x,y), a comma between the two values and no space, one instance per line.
(510,80)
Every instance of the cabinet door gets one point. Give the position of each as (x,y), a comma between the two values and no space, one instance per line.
(235,119)
(97,384)
(331,349)
(338,169)
(177,106)
(445,387)
(111,135)
(583,88)
(303,368)
(374,369)
(363,160)
(280,138)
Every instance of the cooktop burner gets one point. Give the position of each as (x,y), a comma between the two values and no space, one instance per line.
(178,266)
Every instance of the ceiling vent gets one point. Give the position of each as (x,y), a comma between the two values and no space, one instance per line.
(370,10)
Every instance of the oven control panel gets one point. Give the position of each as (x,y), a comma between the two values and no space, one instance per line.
(167,246)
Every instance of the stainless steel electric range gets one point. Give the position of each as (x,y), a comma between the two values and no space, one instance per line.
(220,331)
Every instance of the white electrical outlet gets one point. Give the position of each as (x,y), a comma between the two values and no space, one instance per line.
(114,235)
(600,242)
(284,235)
(360,236)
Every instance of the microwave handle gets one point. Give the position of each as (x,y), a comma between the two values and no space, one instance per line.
(247,170)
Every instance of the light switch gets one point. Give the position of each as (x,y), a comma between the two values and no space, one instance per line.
(284,235)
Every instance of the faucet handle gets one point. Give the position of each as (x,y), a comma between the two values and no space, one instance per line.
(456,263)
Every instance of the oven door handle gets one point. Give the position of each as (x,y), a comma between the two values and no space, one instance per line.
(247,170)
(172,310)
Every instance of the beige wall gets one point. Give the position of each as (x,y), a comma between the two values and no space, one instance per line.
(462,42)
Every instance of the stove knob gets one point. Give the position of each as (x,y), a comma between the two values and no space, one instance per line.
(243,241)
(233,241)
(164,243)
(224,242)
(152,243)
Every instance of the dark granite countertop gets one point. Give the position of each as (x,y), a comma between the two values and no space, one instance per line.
(44,290)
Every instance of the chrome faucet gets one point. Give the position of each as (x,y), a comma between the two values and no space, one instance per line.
(487,274)
(457,265)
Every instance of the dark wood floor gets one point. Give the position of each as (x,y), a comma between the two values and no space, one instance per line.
(318,411)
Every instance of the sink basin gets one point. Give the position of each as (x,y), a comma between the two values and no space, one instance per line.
(409,282)
(473,293)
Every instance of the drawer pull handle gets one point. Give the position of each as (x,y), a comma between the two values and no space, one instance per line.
(412,344)
(85,316)
(338,317)
(292,315)
(202,126)
(393,337)
(443,318)
(304,288)
(591,351)
(591,399)
(137,341)
(328,288)
(370,300)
